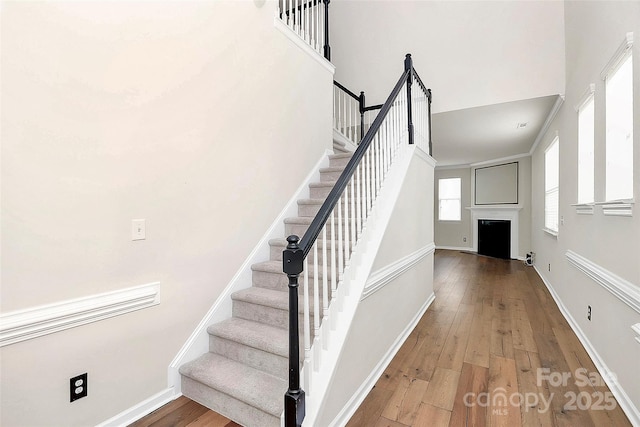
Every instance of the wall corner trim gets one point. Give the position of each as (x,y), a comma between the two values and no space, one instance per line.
(21,325)
(624,290)
(380,278)
(547,123)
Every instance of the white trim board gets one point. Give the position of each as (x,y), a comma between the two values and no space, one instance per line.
(21,325)
(624,290)
(455,248)
(382,277)
(133,414)
(358,397)
(625,402)
(198,343)
(302,44)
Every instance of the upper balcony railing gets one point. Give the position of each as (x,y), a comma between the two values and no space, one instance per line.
(310,21)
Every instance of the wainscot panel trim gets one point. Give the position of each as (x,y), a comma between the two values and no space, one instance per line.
(624,290)
(358,397)
(34,322)
(380,278)
(627,405)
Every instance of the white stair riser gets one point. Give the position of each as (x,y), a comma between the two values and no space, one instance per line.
(263,360)
(276,254)
(267,315)
(222,403)
(280,282)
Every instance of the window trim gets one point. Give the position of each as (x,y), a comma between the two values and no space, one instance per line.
(585,208)
(459,199)
(624,50)
(622,53)
(556,140)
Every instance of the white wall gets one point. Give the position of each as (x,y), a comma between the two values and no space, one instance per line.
(594,30)
(197,116)
(452,234)
(383,316)
(471,53)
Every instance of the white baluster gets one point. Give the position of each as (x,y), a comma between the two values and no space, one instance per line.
(316,293)
(358,180)
(306,318)
(340,242)
(352,217)
(334,273)
(346,226)
(325,286)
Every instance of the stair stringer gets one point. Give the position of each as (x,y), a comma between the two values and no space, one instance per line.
(318,370)
(198,342)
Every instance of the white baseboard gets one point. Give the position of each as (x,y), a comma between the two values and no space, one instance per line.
(625,402)
(454,248)
(358,397)
(143,408)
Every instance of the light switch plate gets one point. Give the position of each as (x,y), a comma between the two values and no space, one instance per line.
(138,229)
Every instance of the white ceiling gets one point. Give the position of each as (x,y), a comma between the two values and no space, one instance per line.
(473,135)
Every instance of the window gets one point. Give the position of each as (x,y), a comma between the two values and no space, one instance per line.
(585,149)
(551,186)
(619,123)
(449,206)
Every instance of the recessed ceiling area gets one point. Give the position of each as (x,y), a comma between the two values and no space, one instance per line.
(490,132)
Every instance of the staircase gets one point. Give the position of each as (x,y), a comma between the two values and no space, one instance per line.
(244,374)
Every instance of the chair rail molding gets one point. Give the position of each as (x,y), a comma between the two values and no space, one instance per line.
(385,275)
(21,325)
(624,290)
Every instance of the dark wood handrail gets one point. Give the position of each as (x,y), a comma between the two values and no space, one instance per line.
(297,249)
(332,199)
(347,91)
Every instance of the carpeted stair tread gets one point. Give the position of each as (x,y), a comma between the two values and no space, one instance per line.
(303,220)
(340,156)
(332,169)
(276,267)
(253,334)
(311,201)
(269,298)
(322,184)
(254,387)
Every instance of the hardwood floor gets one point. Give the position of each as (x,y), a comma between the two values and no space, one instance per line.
(491,350)
(184,412)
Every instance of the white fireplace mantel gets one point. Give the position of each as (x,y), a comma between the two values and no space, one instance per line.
(502,212)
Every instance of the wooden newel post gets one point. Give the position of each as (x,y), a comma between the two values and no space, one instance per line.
(408,66)
(294,408)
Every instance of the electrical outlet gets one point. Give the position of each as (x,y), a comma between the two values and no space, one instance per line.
(589,312)
(78,387)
